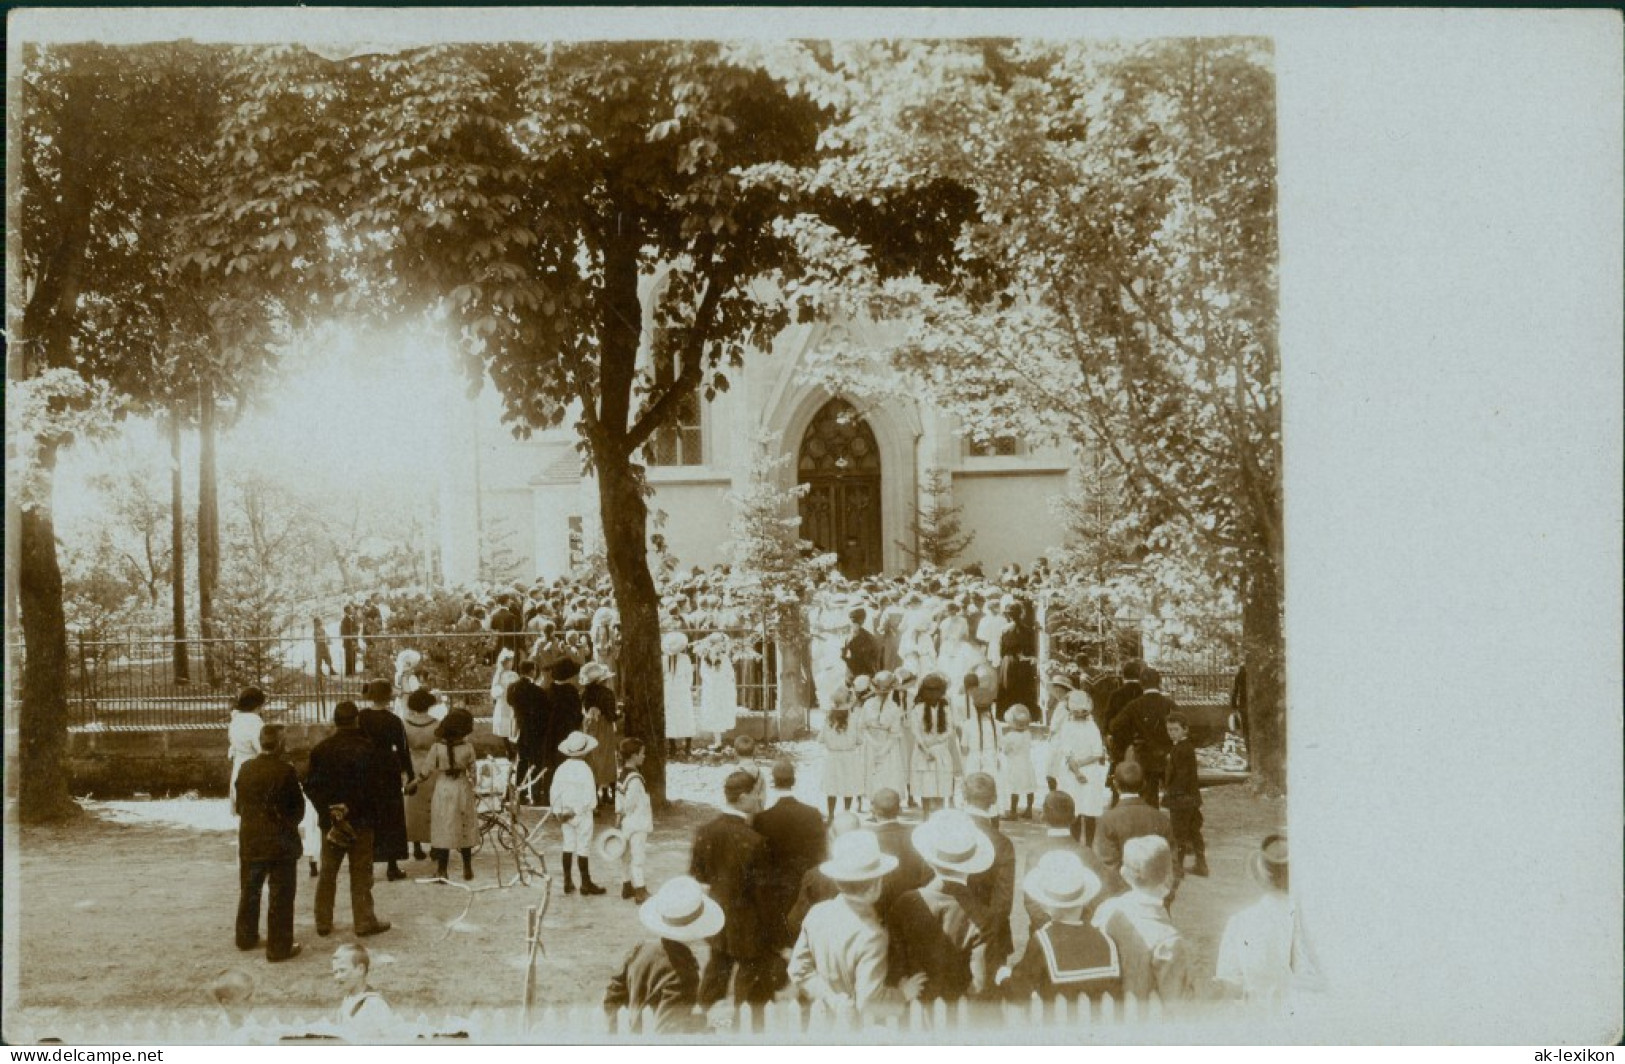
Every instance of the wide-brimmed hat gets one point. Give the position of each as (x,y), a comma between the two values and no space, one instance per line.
(1061,880)
(856,857)
(884,681)
(862,685)
(681,911)
(903,676)
(579,744)
(595,672)
(1269,864)
(1078,700)
(673,643)
(951,842)
(611,845)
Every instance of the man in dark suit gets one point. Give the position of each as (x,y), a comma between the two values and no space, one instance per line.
(862,650)
(731,859)
(507,625)
(1127,691)
(1142,728)
(391,771)
(350,637)
(532,714)
(994,889)
(342,768)
(911,872)
(794,832)
(270,806)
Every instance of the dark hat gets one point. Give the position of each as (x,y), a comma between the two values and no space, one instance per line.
(250,699)
(421,700)
(345,715)
(563,669)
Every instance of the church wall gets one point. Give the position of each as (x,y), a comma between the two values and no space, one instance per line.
(698,516)
(1010,513)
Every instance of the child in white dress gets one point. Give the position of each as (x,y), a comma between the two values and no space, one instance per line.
(1016,755)
(680,724)
(843,754)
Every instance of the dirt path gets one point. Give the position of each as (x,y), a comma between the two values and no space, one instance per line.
(133,909)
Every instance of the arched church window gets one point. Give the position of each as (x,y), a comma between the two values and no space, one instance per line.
(839,442)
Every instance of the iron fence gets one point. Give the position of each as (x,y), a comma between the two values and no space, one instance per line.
(137,682)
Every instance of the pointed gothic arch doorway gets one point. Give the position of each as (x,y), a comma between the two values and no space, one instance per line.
(839,461)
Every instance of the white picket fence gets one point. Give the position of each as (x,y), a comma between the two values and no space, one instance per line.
(1080,1020)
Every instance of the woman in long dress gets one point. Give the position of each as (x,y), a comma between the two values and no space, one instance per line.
(679,693)
(503,725)
(719,692)
(1077,763)
(881,722)
(420,738)
(243,736)
(1018,654)
(936,763)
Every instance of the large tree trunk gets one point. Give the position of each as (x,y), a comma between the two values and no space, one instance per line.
(796,693)
(1263,654)
(181,664)
(626,519)
(43,729)
(208,533)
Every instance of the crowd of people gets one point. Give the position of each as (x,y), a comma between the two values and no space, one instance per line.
(931,688)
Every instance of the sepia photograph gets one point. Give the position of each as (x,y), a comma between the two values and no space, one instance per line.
(569,528)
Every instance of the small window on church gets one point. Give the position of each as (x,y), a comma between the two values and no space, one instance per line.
(679,443)
(996,447)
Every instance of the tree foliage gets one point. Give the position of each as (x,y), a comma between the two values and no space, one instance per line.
(937,526)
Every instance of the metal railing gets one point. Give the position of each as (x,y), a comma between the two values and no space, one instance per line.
(131,683)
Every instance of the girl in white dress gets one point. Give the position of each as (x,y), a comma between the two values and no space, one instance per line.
(937,765)
(719,694)
(881,724)
(843,754)
(406,678)
(1016,754)
(1077,762)
(679,683)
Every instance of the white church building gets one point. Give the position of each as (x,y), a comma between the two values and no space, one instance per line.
(515,510)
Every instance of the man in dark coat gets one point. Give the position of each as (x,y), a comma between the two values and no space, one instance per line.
(563,718)
(507,625)
(391,772)
(269,805)
(350,636)
(994,889)
(794,832)
(862,650)
(731,859)
(532,711)
(1142,728)
(340,779)
(1127,691)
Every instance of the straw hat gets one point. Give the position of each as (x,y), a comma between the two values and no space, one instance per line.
(611,845)
(1061,880)
(951,842)
(862,685)
(595,672)
(579,744)
(673,643)
(1078,702)
(1269,864)
(681,911)
(856,857)
(884,680)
